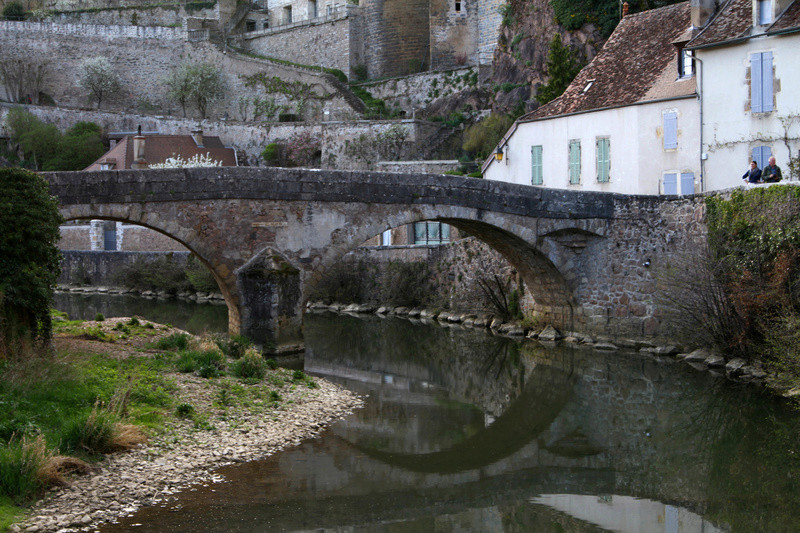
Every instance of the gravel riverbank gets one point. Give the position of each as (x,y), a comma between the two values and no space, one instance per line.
(183,455)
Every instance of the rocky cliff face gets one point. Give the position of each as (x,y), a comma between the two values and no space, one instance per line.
(521,55)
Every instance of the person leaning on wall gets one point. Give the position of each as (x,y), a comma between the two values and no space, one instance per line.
(753,174)
(771,172)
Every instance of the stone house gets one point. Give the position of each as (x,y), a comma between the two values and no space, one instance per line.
(749,73)
(628,123)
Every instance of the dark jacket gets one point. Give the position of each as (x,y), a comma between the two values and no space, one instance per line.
(771,174)
(753,176)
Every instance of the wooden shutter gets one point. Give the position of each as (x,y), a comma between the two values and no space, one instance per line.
(755,84)
(761,155)
(671,183)
(766,82)
(537,176)
(603,160)
(687,183)
(574,162)
(670,131)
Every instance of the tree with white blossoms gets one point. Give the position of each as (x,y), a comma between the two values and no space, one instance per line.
(200,84)
(97,76)
(196,161)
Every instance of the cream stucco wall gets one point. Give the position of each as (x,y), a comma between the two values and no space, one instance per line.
(730,129)
(636,134)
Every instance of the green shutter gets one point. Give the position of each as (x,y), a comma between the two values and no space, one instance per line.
(537,176)
(574,162)
(603,160)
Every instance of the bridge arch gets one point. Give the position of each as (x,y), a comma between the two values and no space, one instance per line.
(175,232)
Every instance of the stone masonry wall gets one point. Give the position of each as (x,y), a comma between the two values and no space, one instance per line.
(325,45)
(396,36)
(489,21)
(413,93)
(454,34)
(425,167)
(143,57)
(99,268)
(167,15)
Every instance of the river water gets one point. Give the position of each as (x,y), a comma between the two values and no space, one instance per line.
(464,431)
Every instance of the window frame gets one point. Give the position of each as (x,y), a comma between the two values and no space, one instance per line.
(443,232)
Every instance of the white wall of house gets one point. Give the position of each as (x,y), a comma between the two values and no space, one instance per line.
(638,157)
(731,130)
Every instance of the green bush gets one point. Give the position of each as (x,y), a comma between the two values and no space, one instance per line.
(174,342)
(99,317)
(29,263)
(184,410)
(14,11)
(187,362)
(271,153)
(210,364)
(234,346)
(251,365)
(481,139)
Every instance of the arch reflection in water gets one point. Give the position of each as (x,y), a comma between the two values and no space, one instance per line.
(464,431)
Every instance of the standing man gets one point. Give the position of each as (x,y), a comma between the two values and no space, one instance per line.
(771,172)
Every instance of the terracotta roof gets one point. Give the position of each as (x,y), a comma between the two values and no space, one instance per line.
(637,63)
(158,148)
(789,20)
(735,21)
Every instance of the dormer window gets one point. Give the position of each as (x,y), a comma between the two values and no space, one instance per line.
(587,87)
(764,12)
(685,63)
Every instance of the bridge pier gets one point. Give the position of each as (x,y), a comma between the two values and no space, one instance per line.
(270,300)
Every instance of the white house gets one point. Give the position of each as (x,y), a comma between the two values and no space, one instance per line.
(749,75)
(629,122)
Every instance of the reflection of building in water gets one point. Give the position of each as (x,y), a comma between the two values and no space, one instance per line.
(625,514)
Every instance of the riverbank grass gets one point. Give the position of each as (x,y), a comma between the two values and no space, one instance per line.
(107,387)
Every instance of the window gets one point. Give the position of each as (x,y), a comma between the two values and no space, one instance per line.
(250,25)
(764,12)
(574,162)
(312,9)
(761,82)
(287,15)
(761,155)
(386,238)
(685,64)
(537,177)
(671,183)
(603,160)
(670,130)
(431,233)
(458,6)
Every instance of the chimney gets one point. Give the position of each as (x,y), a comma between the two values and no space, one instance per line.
(702,11)
(139,162)
(197,135)
(625,9)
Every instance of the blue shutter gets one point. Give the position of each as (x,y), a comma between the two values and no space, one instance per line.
(687,183)
(766,82)
(574,162)
(670,131)
(670,184)
(761,155)
(756,98)
(603,160)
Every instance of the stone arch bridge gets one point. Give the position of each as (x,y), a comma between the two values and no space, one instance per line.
(268,235)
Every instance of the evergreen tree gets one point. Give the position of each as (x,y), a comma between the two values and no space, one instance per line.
(562,67)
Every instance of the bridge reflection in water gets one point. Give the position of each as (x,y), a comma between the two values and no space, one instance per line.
(467,432)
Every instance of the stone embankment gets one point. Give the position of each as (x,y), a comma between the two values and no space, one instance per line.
(735,369)
(184,456)
(200,297)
